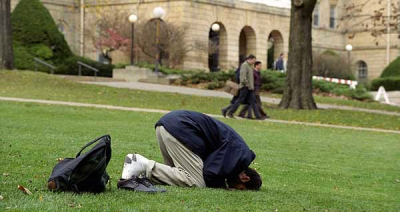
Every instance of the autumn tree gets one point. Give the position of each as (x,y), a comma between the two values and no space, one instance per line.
(298,90)
(109,33)
(6,48)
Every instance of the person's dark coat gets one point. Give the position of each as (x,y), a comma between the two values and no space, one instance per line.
(257,80)
(223,151)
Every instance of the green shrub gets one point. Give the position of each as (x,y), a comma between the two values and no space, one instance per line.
(70,67)
(390,84)
(34,28)
(215,85)
(325,87)
(360,93)
(392,70)
(121,65)
(23,60)
(273,81)
(41,51)
(330,64)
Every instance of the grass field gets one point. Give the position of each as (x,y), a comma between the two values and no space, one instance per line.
(303,168)
(44,86)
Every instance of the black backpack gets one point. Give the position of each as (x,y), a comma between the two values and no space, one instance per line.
(237,75)
(85,173)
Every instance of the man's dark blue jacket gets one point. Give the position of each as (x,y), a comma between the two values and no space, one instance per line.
(223,151)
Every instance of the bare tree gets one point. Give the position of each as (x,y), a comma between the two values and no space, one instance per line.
(173,46)
(330,64)
(298,90)
(383,19)
(6,48)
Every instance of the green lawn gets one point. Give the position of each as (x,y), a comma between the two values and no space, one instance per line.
(43,86)
(347,102)
(303,168)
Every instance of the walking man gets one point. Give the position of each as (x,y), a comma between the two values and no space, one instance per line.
(246,91)
(257,89)
(198,151)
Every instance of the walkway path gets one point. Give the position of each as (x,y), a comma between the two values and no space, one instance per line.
(110,107)
(202,92)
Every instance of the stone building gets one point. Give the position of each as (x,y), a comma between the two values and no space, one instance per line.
(245,27)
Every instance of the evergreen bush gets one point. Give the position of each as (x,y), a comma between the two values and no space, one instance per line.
(22,58)
(390,84)
(35,30)
(393,69)
(70,67)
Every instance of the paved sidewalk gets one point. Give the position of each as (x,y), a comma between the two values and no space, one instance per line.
(394,97)
(110,107)
(202,92)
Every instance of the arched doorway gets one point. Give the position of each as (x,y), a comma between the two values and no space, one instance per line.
(275,47)
(362,71)
(217,50)
(247,43)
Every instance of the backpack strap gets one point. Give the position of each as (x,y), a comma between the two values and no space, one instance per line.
(92,142)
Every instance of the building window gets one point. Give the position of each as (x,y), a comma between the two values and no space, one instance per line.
(316,15)
(362,71)
(332,20)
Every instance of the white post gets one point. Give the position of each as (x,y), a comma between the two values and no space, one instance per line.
(382,91)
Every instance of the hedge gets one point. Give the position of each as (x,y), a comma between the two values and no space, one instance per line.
(35,30)
(70,67)
(392,70)
(389,83)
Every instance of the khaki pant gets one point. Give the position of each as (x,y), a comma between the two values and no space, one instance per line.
(182,167)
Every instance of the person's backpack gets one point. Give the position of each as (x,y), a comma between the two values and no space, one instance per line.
(86,172)
(237,75)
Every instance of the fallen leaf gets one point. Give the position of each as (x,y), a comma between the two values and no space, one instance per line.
(23,189)
(41,198)
(397,181)
(59,159)
(6,174)
(72,205)
(1,197)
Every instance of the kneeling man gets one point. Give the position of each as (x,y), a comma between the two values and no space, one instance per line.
(198,151)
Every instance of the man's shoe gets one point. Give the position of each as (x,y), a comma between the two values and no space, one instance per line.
(146,182)
(134,184)
(134,165)
(230,115)
(224,112)
(262,118)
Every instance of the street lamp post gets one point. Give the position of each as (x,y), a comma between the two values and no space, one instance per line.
(158,13)
(214,36)
(132,18)
(349,48)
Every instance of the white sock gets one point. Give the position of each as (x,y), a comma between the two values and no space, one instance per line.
(134,165)
(142,160)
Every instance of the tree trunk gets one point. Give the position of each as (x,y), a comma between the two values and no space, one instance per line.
(6,47)
(298,90)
